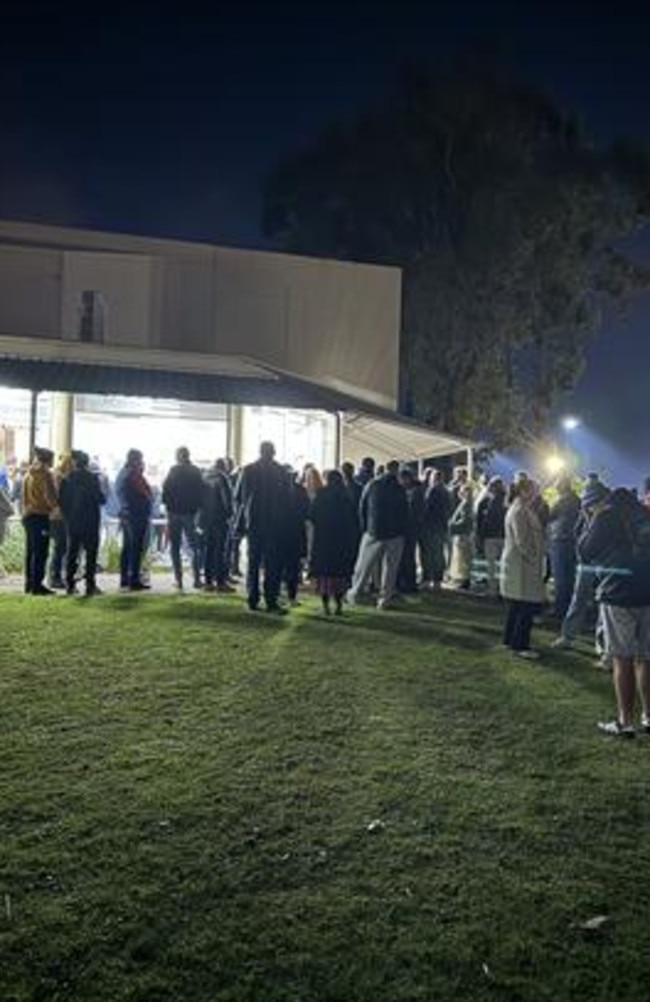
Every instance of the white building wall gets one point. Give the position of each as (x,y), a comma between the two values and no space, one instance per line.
(331,322)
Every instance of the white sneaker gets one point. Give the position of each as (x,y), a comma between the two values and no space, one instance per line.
(350,597)
(615,729)
(562,643)
(528,655)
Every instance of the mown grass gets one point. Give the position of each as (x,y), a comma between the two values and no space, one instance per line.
(201,804)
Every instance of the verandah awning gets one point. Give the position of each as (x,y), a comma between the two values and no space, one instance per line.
(75,367)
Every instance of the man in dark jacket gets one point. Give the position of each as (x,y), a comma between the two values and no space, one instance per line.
(366,471)
(214,522)
(562,522)
(81,499)
(182,494)
(407,580)
(615,546)
(263,496)
(294,536)
(436,515)
(490,531)
(383,511)
(135,498)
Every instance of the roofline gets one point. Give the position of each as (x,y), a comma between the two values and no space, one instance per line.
(68,237)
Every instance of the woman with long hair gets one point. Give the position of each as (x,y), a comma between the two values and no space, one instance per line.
(522,584)
(335,535)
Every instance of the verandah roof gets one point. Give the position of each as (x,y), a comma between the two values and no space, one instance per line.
(73,367)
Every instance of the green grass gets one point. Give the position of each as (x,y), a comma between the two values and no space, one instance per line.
(188,791)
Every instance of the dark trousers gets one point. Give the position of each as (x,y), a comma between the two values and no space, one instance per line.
(37,543)
(134,534)
(179,526)
(263,551)
(84,538)
(59,537)
(434,558)
(215,554)
(519,623)
(407,574)
(563,569)
(291,572)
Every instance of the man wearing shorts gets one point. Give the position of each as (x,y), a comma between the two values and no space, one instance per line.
(616,547)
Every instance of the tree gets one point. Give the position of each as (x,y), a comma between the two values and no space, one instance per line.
(506,220)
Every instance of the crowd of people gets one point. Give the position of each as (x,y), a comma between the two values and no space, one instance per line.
(377,532)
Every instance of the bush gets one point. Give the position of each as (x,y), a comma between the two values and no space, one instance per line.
(12,550)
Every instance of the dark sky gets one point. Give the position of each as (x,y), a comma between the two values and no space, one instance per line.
(162,119)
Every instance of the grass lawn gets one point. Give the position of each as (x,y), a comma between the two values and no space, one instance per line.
(199,804)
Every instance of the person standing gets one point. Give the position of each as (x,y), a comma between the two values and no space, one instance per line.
(214,522)
(38,501)
(58,534)
(522,580)
(263,495)
(461,530)
(135,499)
(297,534)
(437,512)
(366,472)
(584,587)
(81,499)
(562,523)
(384,521)
(336,527)
(490,531)
(407,577)
(182,495)
(615,544)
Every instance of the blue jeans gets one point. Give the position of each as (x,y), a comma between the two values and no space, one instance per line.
(134,535)
(562,554)
(581,602)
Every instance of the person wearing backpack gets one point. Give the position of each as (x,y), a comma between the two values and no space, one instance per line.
(615,546)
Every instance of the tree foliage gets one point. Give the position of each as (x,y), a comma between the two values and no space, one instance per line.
(507,222)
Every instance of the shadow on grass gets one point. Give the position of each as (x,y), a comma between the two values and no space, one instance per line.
(411,627)
(217,614)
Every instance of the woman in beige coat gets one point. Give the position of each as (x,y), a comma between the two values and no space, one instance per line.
(522,569)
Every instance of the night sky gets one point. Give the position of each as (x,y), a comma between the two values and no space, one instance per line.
(162,120)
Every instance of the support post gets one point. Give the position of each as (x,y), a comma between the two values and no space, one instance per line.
(235,437)
(33,415)
(62,422)
(470,464)
(338,439)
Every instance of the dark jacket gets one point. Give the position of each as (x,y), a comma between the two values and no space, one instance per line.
(294,536)
(608,547)
(437,508)
(182,491)
(217,501)
(383,508)
(415,503)
(134,494)
(563,519)
(263,493)
(354,490)
(491,517)
(81,499)
(334,546)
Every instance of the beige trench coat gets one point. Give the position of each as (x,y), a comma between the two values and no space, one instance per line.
(522,563)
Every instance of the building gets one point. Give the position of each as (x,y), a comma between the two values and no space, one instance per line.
(110,341)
